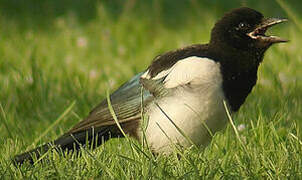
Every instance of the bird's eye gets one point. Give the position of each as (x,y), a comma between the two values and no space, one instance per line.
(242,26)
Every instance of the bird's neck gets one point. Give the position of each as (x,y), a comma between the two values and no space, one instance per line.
(236,60)
(239,72)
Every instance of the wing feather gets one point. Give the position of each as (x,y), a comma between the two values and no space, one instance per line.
(126,102)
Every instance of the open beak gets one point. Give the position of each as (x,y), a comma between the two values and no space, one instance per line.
(259,32)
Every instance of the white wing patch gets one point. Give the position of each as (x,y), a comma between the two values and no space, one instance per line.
(146,75)
(162,74)
(191,70)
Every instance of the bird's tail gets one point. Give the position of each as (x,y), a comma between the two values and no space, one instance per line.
(91,137)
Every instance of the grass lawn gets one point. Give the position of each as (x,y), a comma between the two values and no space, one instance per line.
(58,59)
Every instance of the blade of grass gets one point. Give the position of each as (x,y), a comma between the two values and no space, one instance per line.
(144,153)
(46,153)
(178,129)
(117,122)
(234,127)
(110,173)
(114,115)
(145,123)
(290,13)
(296,138)
(129,159)
(69,108)
(178,149)
(4,121)
(205,126)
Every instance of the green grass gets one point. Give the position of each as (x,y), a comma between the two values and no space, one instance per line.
(58,59)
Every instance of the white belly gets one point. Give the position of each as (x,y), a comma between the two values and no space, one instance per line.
(191,113)
(195,108)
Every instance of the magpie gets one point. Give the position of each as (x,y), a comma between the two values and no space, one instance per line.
(180,95)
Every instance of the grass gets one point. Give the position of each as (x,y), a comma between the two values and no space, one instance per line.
(58,59)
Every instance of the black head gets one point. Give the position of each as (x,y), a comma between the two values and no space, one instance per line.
(244,29)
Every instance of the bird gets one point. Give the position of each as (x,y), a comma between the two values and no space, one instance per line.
(181,97)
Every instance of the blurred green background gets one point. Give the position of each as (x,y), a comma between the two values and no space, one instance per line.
(61,56)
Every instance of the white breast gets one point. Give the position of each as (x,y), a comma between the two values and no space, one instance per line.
(196,102)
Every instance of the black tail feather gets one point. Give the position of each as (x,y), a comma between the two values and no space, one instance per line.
(69,142)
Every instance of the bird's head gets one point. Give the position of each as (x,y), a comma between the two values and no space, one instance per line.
(245,29)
